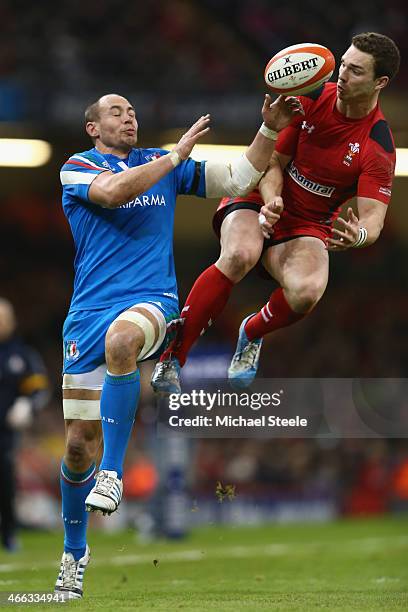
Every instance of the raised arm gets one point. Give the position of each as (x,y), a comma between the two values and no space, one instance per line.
(239,177)
(111,190)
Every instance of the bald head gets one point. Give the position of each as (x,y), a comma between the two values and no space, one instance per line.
(111,123)
(7,320)
(92,112)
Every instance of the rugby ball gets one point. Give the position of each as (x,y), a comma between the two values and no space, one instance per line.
(299,69)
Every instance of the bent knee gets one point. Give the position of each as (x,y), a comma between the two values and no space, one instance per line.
(122,344)
(303,295)
(81,450)
(238,262)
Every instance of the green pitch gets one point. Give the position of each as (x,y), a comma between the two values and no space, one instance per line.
(349,565)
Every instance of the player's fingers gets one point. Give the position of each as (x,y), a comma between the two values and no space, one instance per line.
(278,205)
(267,226)
(340,234)
(351,215)
(280,101)
(270,213)
(202,121)
(201,133)
(294,104)
(264,223)
(346,224)
(272,208)
(267,103)
(335,245)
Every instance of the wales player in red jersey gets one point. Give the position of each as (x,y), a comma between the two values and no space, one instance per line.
(340,148)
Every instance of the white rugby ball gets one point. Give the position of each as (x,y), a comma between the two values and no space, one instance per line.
(299,69)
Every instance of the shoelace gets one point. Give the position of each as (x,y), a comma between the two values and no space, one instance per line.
(69,571)
(162,366)
(104,483)
(248,356)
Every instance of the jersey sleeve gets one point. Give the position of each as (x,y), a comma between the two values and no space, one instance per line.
(287,140)
(191,177)
(78,173)
(378,167)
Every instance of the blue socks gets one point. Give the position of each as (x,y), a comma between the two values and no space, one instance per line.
(120,396)
(74,490)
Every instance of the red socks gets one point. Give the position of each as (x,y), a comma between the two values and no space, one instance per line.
(275,314)
(204,303)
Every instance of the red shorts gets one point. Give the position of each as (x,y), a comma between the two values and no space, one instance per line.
(289,225)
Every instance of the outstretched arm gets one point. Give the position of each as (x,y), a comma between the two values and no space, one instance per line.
(276,116)
(111,190)
(239,177)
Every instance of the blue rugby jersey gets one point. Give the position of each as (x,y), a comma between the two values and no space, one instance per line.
(125,253)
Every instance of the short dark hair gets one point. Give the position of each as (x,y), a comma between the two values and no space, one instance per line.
(92,112)
(384,51)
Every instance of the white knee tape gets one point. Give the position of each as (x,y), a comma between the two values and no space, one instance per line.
(145,325)
(85,410)
(139,319)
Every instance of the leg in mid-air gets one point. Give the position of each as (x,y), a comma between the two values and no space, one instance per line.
(136,334)
(241,247)
(301,267)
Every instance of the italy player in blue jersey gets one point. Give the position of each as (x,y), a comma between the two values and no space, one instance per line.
(119,201)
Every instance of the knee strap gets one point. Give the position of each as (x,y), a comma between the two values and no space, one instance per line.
(145,325)
(84,410)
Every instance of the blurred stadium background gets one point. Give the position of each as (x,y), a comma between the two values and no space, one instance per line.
(175,61)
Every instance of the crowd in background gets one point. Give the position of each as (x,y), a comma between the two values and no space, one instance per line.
(158,50)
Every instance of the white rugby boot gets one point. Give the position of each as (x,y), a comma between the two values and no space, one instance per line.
(106,495)
(71,576)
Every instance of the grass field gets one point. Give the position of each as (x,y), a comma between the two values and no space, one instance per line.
(349,565)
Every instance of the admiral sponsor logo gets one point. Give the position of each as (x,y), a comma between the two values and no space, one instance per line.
(385,191)
(146,200)
(323,190)
(286,71)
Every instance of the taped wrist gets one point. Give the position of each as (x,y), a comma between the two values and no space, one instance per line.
(268,133)
(362,238)
(174,158)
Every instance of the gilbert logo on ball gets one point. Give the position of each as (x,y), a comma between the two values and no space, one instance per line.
(299,69)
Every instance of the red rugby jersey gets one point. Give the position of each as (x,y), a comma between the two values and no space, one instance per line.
(334,158)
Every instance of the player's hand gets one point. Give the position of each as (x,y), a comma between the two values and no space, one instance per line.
(278,114)
(189,139)
(269,214)
(347,236)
